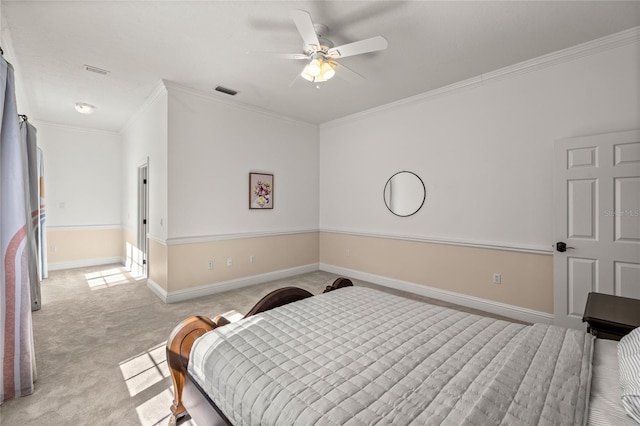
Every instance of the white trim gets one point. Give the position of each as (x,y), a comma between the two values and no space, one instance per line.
(128,228)
(498,308)
(84,228)
(492,245)
(56,266)
(157,290)
(592,47)
(153,96)
(214,288)
(68,127)
(233,103)
(234,236)
(609,42)
(519,248)
(159,240)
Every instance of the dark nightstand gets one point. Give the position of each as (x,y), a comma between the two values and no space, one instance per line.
(611,317)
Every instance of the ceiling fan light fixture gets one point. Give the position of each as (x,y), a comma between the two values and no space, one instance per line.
(328,71)
(305,74)
(315,67)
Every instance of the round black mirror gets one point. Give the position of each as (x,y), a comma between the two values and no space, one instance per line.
(404,193)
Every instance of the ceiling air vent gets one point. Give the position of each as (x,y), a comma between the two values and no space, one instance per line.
(96,70)
(225,90)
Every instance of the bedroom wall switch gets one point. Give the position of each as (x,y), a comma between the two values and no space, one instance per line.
(252,259)
(347,252)
(497,278)
(229,262)
(210,264)
(52,248)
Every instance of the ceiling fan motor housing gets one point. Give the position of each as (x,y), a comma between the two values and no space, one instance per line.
(325,44)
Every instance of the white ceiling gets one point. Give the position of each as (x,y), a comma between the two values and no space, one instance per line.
(204,44)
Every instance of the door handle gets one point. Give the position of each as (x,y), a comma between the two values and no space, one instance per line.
(562,247)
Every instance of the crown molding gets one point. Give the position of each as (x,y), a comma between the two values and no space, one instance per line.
(592,47)
(170,85)
(68,127)
(159,89)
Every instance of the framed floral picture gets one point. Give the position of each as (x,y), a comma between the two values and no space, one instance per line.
(260,191)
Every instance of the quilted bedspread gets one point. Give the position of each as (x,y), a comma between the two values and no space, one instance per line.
(358,356)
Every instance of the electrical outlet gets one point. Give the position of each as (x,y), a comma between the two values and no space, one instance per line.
(252,259)
(497,278)
(53,248)
(229,262)
(210,264)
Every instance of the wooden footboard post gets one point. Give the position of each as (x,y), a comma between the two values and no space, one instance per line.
(178,352)
(338,283)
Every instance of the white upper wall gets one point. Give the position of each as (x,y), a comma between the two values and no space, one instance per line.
(83,176)
(145,141)
(485,151)
(214,144)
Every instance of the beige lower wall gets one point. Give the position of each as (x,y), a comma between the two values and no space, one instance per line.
(527,279)
(188,263)
(158,265)
(129,238)
(76,245)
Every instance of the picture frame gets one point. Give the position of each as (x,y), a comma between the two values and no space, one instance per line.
(260,191)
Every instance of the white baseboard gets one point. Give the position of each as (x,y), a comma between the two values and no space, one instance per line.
(498,308)
(56,266)
(209,289)
(157,290)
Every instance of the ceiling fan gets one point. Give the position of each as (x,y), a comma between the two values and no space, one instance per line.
(321,54)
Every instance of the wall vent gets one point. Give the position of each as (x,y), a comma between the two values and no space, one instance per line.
(95,69)
(226,91)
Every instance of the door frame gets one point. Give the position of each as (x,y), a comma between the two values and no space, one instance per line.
(142,222)
(596,256)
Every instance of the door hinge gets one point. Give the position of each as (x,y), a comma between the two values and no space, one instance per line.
(144,261)
(144,221)
(144,181)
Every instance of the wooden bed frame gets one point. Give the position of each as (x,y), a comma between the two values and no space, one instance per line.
(188,398)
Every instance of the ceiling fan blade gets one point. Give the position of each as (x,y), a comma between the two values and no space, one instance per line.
(304,24)
(358,47)
(297,77)
(290,55)
(348,74)
(279,55)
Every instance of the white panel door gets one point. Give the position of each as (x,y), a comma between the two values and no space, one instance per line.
(597,216)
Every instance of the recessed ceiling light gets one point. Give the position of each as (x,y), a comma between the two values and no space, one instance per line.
(84,108)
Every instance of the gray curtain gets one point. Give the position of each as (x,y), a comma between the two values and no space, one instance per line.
(28,138)
(42,227)
(17,356)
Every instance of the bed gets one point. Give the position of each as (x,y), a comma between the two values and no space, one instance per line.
(358,356)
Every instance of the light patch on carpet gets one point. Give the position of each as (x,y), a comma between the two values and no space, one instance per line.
(106,278)
(145,370)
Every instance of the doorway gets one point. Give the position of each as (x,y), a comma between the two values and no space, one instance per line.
(139,263)
(597,221)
